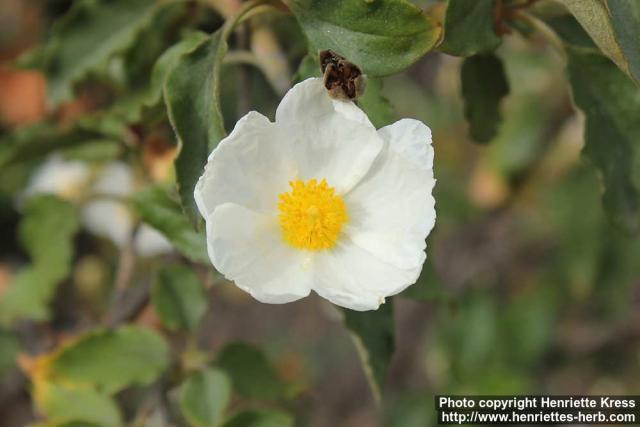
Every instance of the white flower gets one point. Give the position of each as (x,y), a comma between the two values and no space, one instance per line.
(319,200)
(71,179)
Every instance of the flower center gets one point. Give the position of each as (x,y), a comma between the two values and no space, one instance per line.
(311,215)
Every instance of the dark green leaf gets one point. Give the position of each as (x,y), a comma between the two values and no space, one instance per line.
(570,31)
(373,335)
(192,95)
(309,67)
(429,287)
(611,104)
(157,209)
(531,315)
(484,84)
(382,36)
(110,360)
(36,141)
(179,298)
(471,334)
(46,232)
(87,37)
(264,418)
(374,103)
(204,398)
(251,373)
(469,28)
(625,15)
(150,55)
(168,61)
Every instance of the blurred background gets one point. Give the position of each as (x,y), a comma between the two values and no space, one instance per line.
(527,288)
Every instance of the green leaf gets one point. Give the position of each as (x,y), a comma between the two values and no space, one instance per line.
(110,360)
(86,39)
(130,70)
(374,103)
(38,140)
(470,336)
(611,104)
(484,84)
(613,26)
(67,403)
(251,373)
(179,298)
(46,233)
(94,151)
(204,398)
(625,15)
(74,424)
(469,28)
(429,287)
(264,418)
(157,209)
(192,96)
(168,61)
(373,335)
(382,36)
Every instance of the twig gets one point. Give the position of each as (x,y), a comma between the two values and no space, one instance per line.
(543,29)
(127,305)
(123,276)
(244,83)
(527,4)
(126,263)
(241,57)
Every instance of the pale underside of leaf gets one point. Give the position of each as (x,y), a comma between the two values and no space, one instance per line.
(625,15)
(594,17)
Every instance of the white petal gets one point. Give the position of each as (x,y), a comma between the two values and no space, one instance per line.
(64,178)
(330,139)
(250,167)
(116,179)
(412,139)
(392,210)
(353,278)
(150,242)
(108,219)
(308,101)
(247,247)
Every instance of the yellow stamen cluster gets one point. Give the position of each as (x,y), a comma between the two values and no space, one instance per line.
(311,215)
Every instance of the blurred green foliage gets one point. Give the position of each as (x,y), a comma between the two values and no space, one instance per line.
(532,280)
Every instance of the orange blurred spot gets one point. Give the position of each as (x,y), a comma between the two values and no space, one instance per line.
(158,156)
(149,319)
(291,367)
(70,111)
(34,367)
(6,277)
(487,187)
(22,97)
